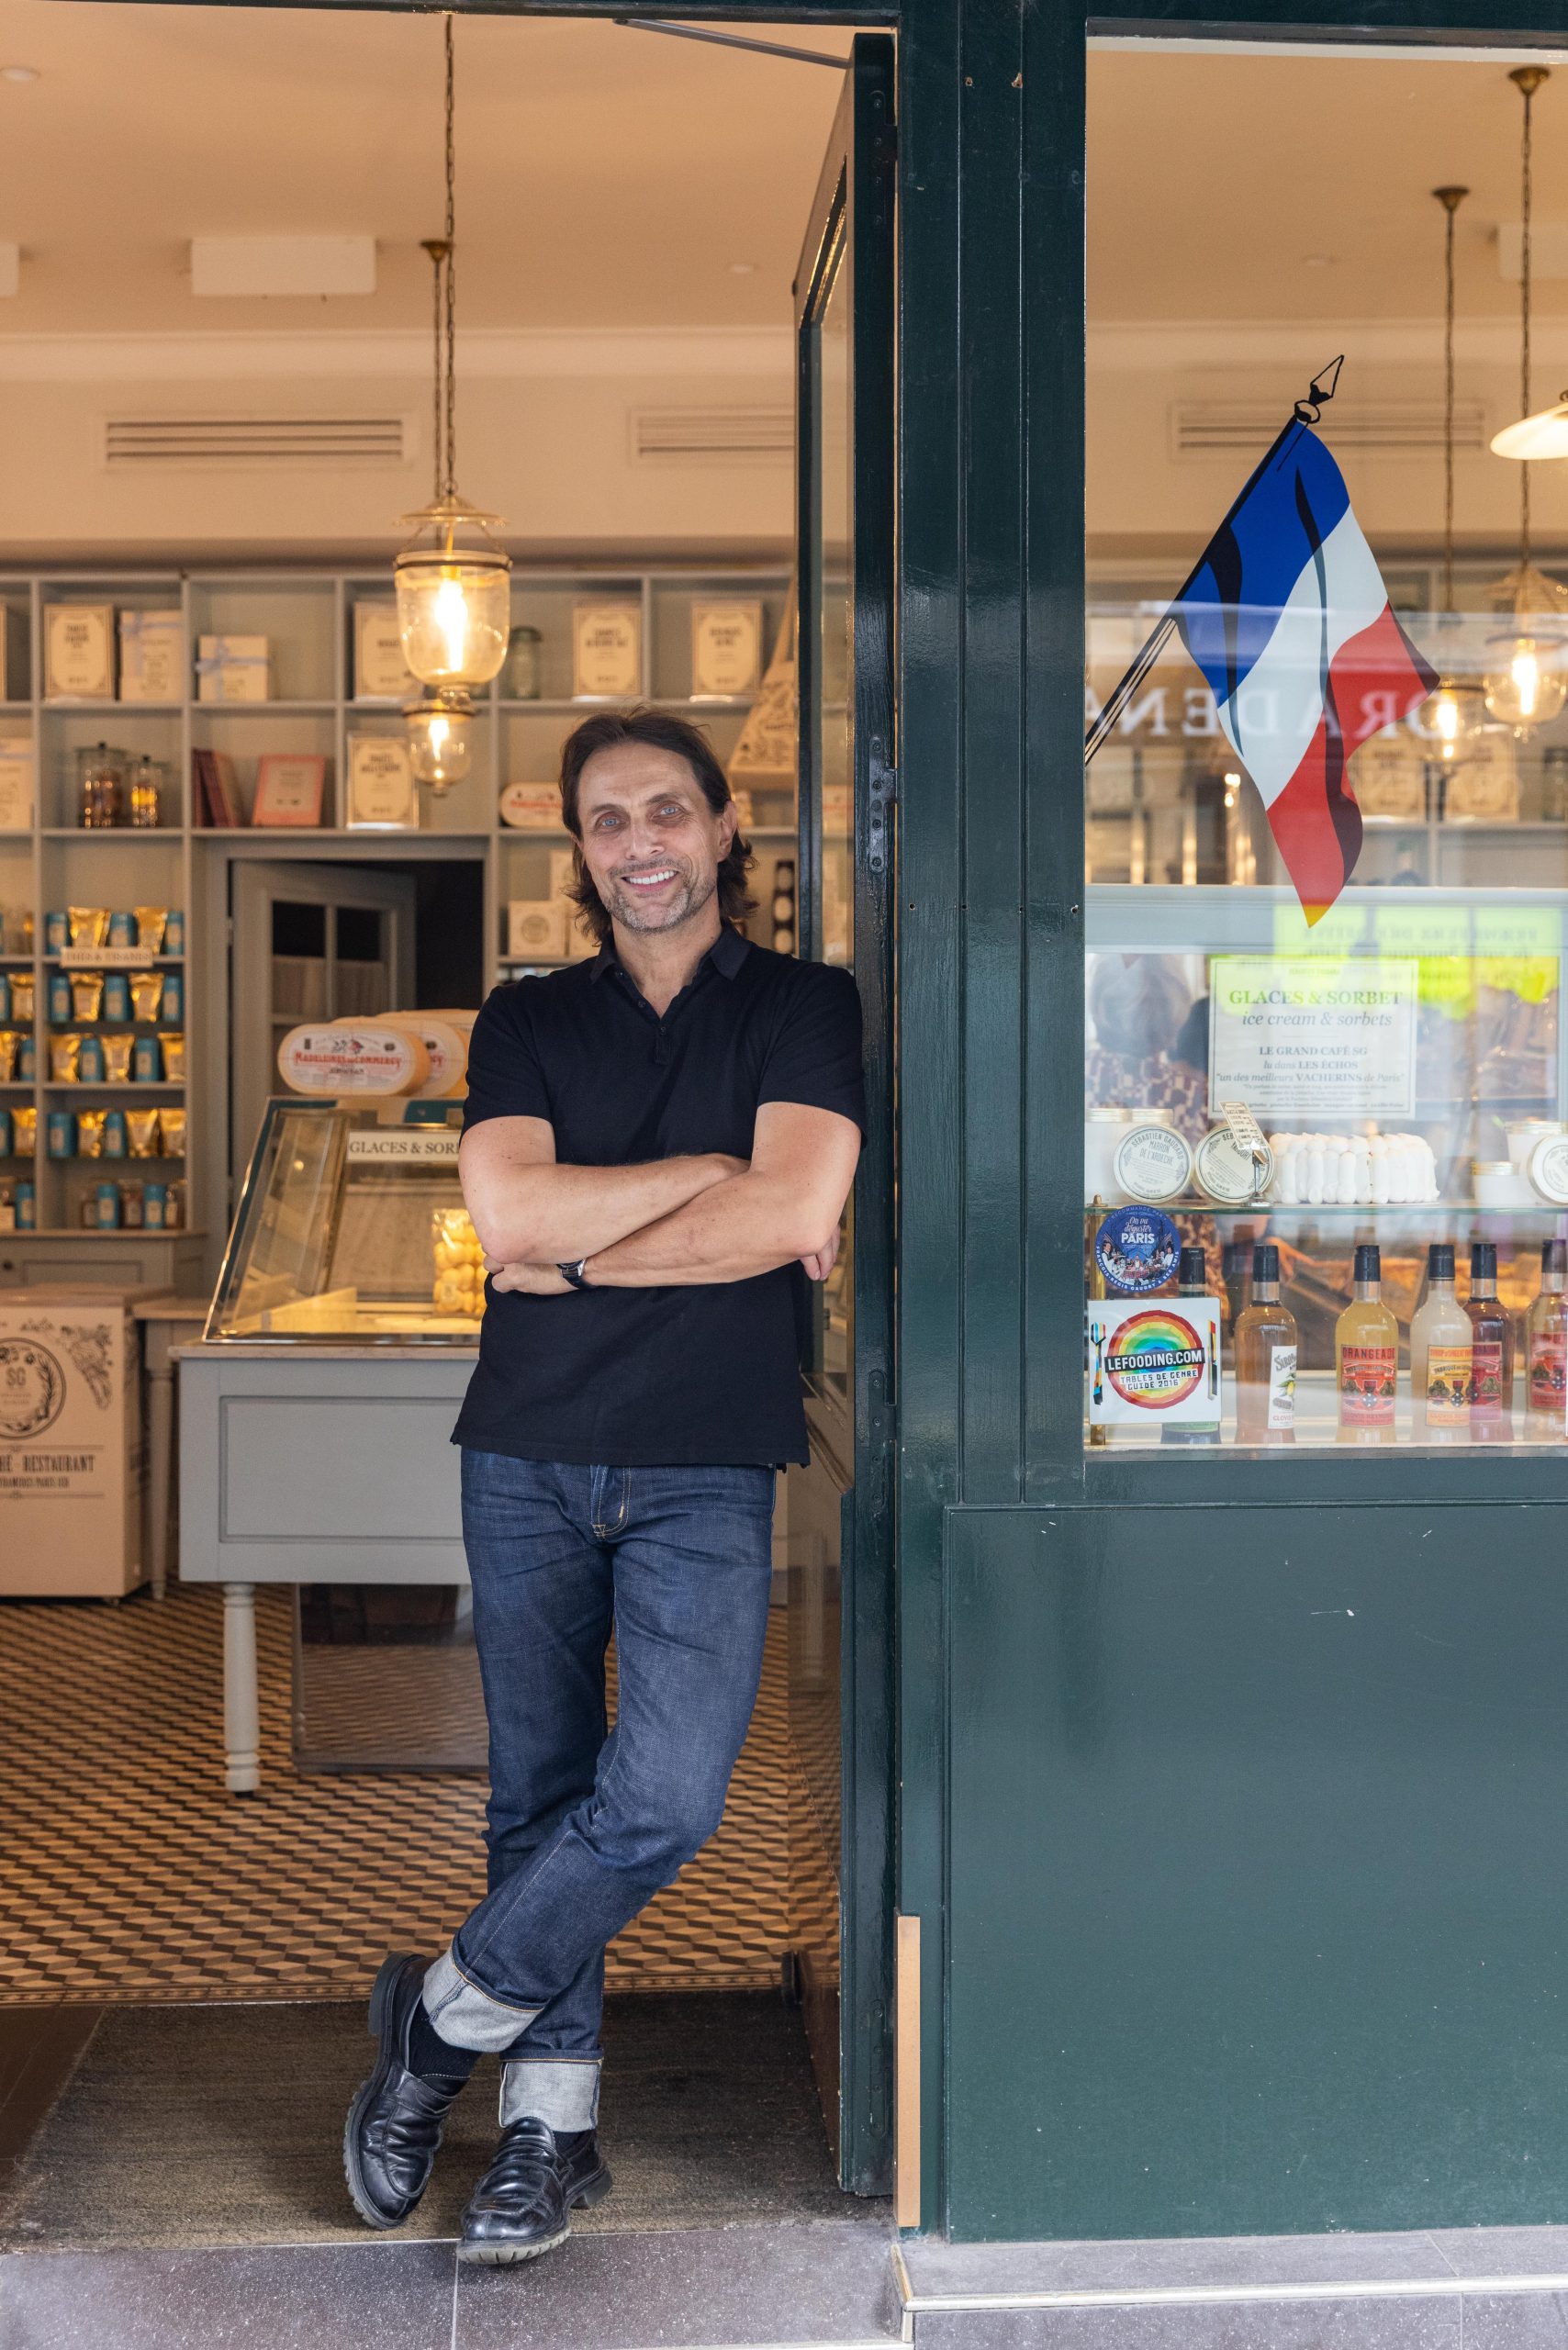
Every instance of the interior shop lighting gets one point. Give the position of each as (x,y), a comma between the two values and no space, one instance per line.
(454,581)
(18,72)
(1454,712)
(1525,684)
(440,726)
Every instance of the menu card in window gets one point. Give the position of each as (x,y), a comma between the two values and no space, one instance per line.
(1319,1035)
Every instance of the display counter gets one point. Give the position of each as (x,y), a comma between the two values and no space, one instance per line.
(1326,1174)
(316,1411)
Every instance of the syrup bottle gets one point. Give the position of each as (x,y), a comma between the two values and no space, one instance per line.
(1492,1350)
(1366,1357)
(1192,1280)
(1546,1345)
(1266,1346)
(1440,1343)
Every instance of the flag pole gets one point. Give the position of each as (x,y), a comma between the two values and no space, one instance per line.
(1307,411)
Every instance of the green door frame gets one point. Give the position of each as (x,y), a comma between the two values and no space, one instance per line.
(852,226)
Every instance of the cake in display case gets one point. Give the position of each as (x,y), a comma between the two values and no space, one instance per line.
(351,1229)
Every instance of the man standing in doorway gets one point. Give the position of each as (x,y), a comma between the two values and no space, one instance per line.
(656,1151)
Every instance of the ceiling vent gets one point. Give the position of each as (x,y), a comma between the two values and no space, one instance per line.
(1384,428)
(145,443)
(712,436)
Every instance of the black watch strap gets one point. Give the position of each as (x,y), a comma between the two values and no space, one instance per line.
(574,1273)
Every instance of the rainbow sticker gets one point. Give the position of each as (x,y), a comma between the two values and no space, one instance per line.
(1156,1359)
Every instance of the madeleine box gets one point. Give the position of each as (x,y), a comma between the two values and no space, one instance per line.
(72,1462)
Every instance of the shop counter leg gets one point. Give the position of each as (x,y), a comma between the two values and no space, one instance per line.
(241,1706)
(160,1459)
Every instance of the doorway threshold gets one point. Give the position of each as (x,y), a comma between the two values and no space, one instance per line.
(1487,2288)
(183,2190)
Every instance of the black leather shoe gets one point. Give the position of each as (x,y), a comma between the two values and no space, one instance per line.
(522,2206)
(393,2130)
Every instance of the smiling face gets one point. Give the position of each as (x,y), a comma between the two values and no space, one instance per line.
(651,843)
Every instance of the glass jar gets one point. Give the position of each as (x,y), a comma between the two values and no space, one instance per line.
(521,675)
(100,788)
(142,794)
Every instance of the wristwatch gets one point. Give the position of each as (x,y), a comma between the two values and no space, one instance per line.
(574,1273)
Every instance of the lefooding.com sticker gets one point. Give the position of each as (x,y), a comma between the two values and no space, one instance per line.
(1156,1360)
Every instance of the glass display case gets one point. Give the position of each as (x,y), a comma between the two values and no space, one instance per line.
(351,1229)
(1325,1172)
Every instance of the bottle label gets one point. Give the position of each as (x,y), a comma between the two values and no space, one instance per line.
(1368,1378)
(1548,1374)
(1448,1386)
(1282,1387)
(1487,1379)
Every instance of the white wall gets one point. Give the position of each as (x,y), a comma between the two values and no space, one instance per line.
(544,437)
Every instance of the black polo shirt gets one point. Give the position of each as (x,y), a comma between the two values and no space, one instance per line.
(706,1373)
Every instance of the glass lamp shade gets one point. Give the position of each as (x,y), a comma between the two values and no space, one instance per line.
(1527,686)
(1545,435)
(453,616)
(440,740)
(1526,683)
(453,597)
(1454,713)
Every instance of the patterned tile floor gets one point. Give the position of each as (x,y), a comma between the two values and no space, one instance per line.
(129,1874)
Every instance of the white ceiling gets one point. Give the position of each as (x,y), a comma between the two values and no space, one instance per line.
(1231,185)
(606,177)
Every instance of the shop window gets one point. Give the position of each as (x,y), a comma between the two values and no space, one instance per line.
(1325,915)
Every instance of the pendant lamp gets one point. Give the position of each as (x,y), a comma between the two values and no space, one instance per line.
(1526,670)
(454,581)
(1454,712)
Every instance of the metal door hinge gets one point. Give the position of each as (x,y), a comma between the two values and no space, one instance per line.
(881,797)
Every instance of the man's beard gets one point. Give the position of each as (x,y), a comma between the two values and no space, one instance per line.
(630,911)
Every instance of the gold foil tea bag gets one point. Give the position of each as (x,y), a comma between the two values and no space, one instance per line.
(141,1132)
(64,1052)
(117,1060)
(146,994)
(86,994)
(89,924)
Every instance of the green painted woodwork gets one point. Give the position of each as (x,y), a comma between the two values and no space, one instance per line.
(1258,1912)
(848,256)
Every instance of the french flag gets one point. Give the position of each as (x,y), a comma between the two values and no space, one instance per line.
(1288,618)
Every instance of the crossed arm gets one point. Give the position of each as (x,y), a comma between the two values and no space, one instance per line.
(670,1223)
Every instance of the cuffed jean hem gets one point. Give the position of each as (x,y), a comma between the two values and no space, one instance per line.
(561,2090)
(466,2016)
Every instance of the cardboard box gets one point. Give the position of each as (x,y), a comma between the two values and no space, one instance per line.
(152,656)
(380,672)
(79,653)
(536,930)
(72,1462)
(233,668)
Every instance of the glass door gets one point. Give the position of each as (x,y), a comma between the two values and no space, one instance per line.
(838,1511)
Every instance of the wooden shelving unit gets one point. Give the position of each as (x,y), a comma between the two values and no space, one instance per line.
(306,615)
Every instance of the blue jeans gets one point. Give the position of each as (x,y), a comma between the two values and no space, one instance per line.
(583,1827)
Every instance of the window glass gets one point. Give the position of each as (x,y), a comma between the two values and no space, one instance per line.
(1326,1154)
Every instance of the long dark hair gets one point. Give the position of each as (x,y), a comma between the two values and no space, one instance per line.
(661,731)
